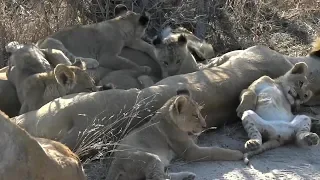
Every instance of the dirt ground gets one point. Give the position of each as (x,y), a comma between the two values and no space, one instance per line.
(286,162)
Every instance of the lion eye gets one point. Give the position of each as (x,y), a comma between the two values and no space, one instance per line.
(300,83)
(178,61)
(165,63)
(90,89)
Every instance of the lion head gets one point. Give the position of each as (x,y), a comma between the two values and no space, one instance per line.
(295,84)
(185,113)
(74,78)
(132,24)
(172,53)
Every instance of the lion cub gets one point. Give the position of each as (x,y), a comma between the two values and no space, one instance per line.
(41,88)
(144,153)
(104,41)
(266,108)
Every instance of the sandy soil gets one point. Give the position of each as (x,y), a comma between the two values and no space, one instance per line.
(287,162)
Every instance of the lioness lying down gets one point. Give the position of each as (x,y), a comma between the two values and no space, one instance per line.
(217,87)
(144,152)
(25,157)
(266,108)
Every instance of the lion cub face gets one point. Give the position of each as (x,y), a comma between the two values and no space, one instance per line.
(74,78)
(171,52)
(295,84)
(130,22)
(185,113)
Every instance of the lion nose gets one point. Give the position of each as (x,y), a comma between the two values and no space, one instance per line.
(105,87)
(99,88)
(203,124)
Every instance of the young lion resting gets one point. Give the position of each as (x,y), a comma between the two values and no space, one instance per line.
(104,41)
(145,152)
(266,107)
(41,88)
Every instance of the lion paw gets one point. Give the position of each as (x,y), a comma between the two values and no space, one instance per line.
(252,145)
(191,176)
(90,62)
(311,139)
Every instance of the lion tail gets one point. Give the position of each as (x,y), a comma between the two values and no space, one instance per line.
(316,48)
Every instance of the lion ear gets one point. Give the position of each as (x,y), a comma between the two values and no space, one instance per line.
(299,68)
(182,40)
(157,41)
(79,64)
(120,9)
(179,103)
(13,46)
(64,75)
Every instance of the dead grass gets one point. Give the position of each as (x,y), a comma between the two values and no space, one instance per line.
(287,26)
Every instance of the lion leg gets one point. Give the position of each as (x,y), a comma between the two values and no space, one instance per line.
(121,63)
(140,45)
(304,137)
(252,123)
(55,57)
(277,132)
(137,166)
(271,144)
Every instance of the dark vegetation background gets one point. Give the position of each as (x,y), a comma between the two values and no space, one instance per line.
(287,25)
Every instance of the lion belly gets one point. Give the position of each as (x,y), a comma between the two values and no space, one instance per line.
(273,106)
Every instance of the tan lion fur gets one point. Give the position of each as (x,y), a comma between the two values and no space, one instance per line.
(146,151)
(25,157)
(266,109)
(217,87)
(105,40)
(41,88)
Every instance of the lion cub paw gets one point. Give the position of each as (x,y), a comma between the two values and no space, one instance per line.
(89,62)
(252,145)
(191,176)
(311,139)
